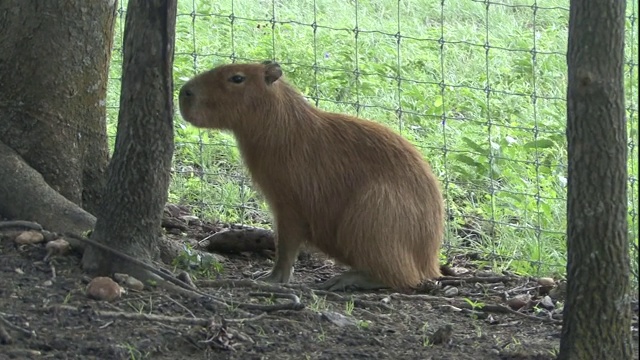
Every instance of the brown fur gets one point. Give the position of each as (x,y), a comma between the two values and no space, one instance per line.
(352,188)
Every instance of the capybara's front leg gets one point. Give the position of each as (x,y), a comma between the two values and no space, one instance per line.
(291,232)
(352,280)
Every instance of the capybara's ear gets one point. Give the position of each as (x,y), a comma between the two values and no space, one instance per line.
(272,72)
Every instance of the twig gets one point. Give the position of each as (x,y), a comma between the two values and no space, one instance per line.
(11,326)
(501,309)
(454,280)
(266,287)
(53,270)
(133,260)
(151,317)
(180,305)
(21,224)
(358,300)
(5,338)
(295,303)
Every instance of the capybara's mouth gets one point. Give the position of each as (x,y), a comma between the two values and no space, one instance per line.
(197,119)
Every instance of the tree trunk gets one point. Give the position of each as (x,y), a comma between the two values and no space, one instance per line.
(139,173)
(54,57)
(40,199)
(597,313)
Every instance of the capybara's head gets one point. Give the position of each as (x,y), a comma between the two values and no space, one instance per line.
(222,98)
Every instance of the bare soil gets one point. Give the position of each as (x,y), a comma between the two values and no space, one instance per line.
(44,313)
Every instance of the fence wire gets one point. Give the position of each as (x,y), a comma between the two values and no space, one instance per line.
(478,86)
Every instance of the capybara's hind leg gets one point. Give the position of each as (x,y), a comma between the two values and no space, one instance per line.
(291,232)
(351,280)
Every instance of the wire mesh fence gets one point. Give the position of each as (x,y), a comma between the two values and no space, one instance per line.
(478,86)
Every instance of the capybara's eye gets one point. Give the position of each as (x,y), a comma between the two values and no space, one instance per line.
(237,79)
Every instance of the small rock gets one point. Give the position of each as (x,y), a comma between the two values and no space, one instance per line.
(29,237)
(450,291)
(103,288)
(519,301)
(442,335)
(19,271)
(546,284)
(559,292)
(546,281)
(459,270)
(47,283)
(547,303)
(57,247)
(189,219)
(338,319)
(385,300)
(129,281)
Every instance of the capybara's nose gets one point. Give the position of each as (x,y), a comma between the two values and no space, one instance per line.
(186,92)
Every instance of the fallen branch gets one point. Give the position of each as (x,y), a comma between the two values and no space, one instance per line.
(493,308)
(183,320)
(358,299)
(244,283)
(10,325)
(458,280)
(20,224)
(235,241)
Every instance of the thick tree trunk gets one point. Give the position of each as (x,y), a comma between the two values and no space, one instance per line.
(139,173)
(54,57)
(597,314)
(39,202)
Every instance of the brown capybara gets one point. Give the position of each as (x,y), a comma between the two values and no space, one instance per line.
(351,188)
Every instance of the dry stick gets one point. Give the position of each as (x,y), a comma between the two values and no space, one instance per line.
(151,317)
(266,287)
(172,283)
(53,271)
(295,303)
(179,285)
(289,289)
(454,280)
(500,309)
(180,305)
(144,265)
(356,298)
(20,224)
(5,338)
(11,326)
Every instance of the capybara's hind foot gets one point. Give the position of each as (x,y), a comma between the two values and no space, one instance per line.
(351,280)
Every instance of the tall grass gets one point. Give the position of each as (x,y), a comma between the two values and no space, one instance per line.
(478,88)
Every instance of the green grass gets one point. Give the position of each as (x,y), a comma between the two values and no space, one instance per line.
(501,155)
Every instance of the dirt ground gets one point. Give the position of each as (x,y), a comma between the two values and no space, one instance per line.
(45,314)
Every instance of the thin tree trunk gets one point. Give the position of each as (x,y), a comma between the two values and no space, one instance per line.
(139,173)
(597,313)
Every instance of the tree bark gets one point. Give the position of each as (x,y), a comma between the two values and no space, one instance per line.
(39,202)
(139,173)
(597,313)
(54,57)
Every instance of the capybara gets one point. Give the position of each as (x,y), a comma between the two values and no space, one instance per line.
(353,189)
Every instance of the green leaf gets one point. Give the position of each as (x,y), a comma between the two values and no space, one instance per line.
(475,146)
(540,144)
(438,101)
(468,160)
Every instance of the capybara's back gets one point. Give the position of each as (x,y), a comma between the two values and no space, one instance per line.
(354,189)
